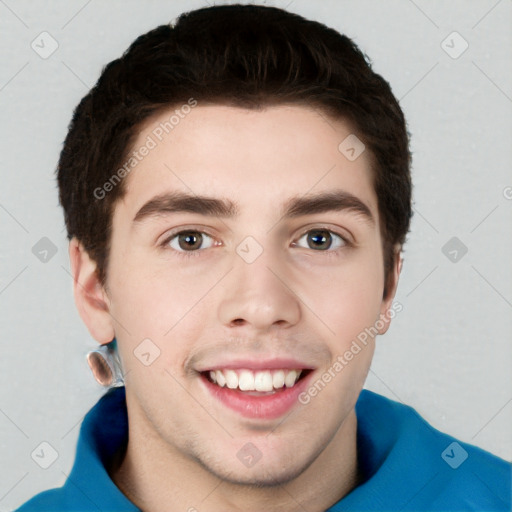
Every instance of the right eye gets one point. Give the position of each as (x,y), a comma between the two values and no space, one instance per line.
(189,241)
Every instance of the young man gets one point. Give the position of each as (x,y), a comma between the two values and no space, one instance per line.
(236,191)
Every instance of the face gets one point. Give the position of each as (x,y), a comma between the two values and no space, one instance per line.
(246,258)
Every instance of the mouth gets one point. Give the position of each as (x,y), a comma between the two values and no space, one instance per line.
(258,394)
(256,383)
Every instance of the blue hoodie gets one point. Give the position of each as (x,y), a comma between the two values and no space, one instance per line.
(406,465)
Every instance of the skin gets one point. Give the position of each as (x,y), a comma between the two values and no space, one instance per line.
(197,306)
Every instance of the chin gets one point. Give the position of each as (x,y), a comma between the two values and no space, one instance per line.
(259,476)
(262,479)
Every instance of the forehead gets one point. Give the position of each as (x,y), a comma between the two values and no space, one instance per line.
(256,158)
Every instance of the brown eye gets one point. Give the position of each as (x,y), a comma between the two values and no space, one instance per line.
(190,241)
(321,240)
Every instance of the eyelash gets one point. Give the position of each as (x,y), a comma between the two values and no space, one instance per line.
(329,253)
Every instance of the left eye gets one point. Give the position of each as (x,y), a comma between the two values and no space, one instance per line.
(321,239)
(190,241)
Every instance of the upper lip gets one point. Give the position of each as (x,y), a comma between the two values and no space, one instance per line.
(276,363)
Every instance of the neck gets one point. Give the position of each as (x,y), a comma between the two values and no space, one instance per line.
(157,477)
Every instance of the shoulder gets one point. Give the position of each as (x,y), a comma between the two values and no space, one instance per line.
(432,470)
(52,500)
(89,486)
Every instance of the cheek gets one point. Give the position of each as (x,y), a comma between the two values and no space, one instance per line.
(347,297)
(151,299)
(168,308)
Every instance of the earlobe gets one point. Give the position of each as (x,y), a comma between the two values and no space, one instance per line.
(91,299)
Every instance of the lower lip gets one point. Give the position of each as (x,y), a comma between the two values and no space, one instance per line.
(262,407)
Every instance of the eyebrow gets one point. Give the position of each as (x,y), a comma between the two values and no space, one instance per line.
(173,202)
(336,200)
(176,202)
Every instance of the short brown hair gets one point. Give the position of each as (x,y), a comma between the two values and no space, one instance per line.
(241,55)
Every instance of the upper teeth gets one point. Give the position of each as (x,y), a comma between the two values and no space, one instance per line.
(247,380)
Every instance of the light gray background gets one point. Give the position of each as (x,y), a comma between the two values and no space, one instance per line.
(448,353)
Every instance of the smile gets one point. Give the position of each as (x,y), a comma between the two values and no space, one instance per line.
(257,394)
(248,380)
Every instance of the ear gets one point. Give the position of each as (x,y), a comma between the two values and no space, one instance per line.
(91,298)
(390,290)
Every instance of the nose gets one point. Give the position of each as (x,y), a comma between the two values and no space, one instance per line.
(259,295)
